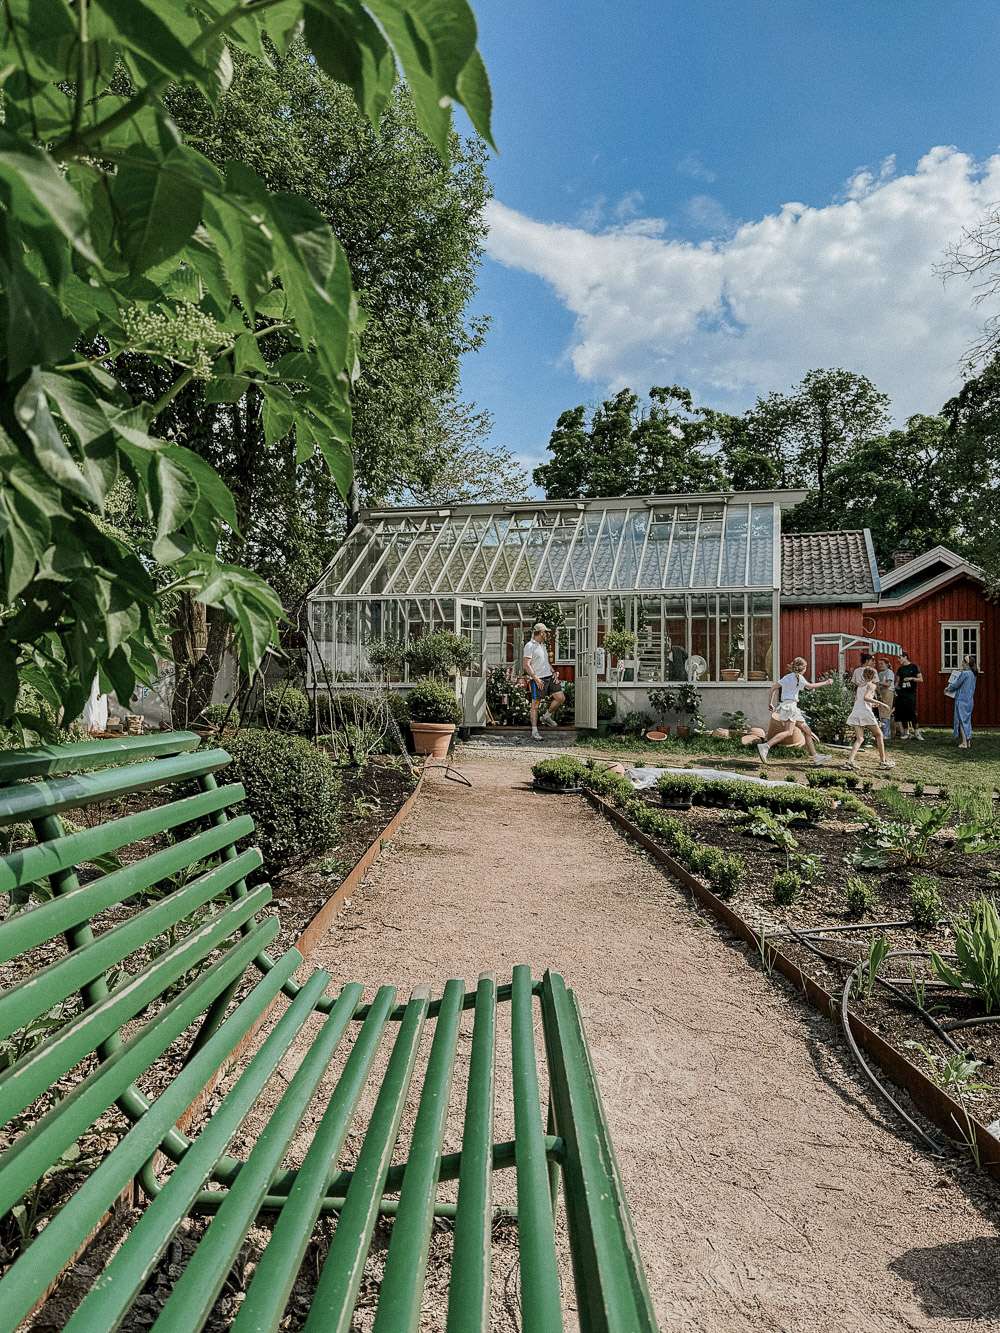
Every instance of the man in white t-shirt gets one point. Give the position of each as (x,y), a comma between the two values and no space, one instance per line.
(541,681)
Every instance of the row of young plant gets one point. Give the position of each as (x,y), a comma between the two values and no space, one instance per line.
(725,871)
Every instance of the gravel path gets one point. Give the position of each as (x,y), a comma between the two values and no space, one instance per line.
(766,1188)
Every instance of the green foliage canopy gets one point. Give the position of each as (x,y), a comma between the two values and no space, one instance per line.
(118,237)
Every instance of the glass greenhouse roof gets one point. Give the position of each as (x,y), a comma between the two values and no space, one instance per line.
(632,544)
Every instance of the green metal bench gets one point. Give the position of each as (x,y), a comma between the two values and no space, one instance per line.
(204,989)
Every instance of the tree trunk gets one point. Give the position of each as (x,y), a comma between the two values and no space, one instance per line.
(199,639)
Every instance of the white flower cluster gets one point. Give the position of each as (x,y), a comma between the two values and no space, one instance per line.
(185,335)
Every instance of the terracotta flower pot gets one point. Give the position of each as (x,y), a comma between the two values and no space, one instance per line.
(683,731)
(656,735)
(731,673)
(432,738)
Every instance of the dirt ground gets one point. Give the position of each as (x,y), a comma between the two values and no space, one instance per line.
(768,1190)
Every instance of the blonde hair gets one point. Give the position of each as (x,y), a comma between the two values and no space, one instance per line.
(798,664)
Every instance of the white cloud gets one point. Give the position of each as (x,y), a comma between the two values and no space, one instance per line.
(692,165)
(848,284)
(708,214)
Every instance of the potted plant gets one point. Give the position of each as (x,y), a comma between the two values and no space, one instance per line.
(733,669)
(562,773)
(439,655)
(434,715)
(607,711)
(620,645)
(688,704)
(386,656)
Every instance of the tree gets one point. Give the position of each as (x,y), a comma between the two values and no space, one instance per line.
(118,237)
(462,467)
(669,447)
(411,226)
(973,417)
(815,427)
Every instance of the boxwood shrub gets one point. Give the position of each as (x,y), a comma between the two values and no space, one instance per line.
(433,701)
(739,795)
(285,708)
(293,794)
(561,772)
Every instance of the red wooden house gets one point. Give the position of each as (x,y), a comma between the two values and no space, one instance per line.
(933,605)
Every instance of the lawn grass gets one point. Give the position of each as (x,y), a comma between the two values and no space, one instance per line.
(934,762)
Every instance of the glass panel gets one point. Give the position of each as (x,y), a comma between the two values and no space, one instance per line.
(676,639)
(761,545)
(706,563)
(682,551)
(584,548)
(732,633)
(654,564)
(703,635)
(734,557)
(762,637)
(606,550)
(627,574)
(471,626)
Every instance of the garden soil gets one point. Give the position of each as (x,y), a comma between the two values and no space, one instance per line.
(767,1189)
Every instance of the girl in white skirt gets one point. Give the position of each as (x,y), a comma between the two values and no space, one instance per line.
(862,717)
(787,719)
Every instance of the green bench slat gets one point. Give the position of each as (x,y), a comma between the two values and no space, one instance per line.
(540,1298)
(406,1262)
(33,800)
(207,968)
(190,1303)
(272,1283)
(43,760)
(40,1068)
(469,1291)
(30,864)
(35,925)
(333,1301)
(51,985)
(121,1280)
(609,1278)
(34,1270)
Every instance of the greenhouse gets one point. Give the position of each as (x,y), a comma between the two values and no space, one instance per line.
(695,577)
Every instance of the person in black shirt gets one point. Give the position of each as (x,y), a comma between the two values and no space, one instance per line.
(908,677)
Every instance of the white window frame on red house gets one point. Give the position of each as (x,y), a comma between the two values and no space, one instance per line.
(966,640)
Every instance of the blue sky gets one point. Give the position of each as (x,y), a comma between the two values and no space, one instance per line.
(647,153)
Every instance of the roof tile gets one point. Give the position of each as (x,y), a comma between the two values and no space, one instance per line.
(826,564)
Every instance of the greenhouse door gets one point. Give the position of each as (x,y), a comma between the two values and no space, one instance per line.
(586,668)
(470,623)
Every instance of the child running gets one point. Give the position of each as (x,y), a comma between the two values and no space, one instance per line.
(784,704)
(862,717)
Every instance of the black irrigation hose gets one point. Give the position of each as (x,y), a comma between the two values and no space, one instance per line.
(899,993)
(936,1148)
(972,1022)
(841,930)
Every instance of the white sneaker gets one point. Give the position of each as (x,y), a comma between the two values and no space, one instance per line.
(889,763)
(920,735)
(536,735)
(548,721)
(820,759)
(763,749)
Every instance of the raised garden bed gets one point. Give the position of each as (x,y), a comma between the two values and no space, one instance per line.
(882,1024)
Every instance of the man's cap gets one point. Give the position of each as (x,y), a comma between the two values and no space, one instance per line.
(540,626)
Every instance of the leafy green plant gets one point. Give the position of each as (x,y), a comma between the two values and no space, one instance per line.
(688,704)
(955,1072)
(736,721)
(439,654)
(807,866)
(293,794)
(216,715)
(621,643)
(772,828)
(786,887)
(561,772)
(285,708)
(977,950)
(433,701)
(386,655)
(925,902)
(877,952)
(122,241)
(906,837)
(607,709)
(663,702)
(828,708)
(635,723)
(832,777)
(860,899)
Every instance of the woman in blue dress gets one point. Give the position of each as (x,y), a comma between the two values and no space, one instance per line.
(963,691)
